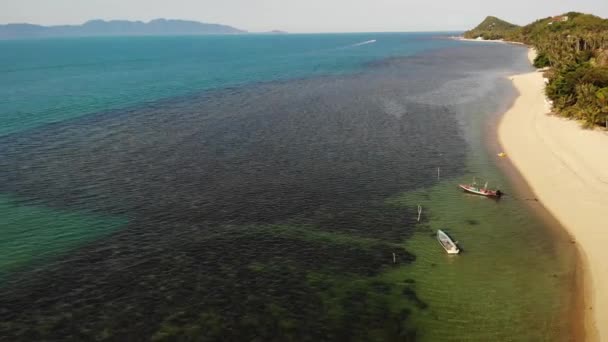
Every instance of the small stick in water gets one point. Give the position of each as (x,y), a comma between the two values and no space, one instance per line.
(394,258)
(419,212)
(438,173)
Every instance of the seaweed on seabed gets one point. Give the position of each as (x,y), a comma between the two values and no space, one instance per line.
(368,317)
(259,289)
(406,333)
(413,297)
(380,287)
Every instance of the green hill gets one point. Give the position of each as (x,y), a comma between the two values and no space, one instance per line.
(571,23)
(574,46)
(492,28)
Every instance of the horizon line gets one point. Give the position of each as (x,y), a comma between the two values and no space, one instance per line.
(238,28)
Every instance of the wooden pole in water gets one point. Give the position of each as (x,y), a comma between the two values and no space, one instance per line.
(419,212)
(438,173)
(394,258)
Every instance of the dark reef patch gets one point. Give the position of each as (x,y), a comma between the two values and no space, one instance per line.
(212,183)
(411,295)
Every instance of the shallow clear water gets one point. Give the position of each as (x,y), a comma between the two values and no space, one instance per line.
(265,187)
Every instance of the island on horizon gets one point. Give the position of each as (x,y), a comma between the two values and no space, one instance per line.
(278,32)
(97,27)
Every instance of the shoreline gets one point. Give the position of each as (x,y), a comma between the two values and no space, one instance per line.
(543,161)
(520,187)
(501,41)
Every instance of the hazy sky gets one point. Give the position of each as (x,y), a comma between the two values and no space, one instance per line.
(300,15)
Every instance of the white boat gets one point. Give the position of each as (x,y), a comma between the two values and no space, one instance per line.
(447,243)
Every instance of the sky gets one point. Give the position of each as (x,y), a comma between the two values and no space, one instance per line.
(300,15)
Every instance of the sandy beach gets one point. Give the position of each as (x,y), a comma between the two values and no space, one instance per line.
(567,169)
(460,38)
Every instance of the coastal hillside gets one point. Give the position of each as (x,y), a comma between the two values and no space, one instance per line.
(492,28)
(115,28)
(574,48)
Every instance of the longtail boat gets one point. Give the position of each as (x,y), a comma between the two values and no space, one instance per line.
(474,189)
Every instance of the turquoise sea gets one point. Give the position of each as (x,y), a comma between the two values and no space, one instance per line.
(45,81)
(266,188)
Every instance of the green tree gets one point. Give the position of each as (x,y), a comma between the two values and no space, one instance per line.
(541,60)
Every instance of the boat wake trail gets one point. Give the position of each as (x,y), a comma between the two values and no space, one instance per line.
(365,42)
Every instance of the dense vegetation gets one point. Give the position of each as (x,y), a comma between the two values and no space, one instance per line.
(575,48)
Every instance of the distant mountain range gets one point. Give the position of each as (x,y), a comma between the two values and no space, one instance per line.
(157,27)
